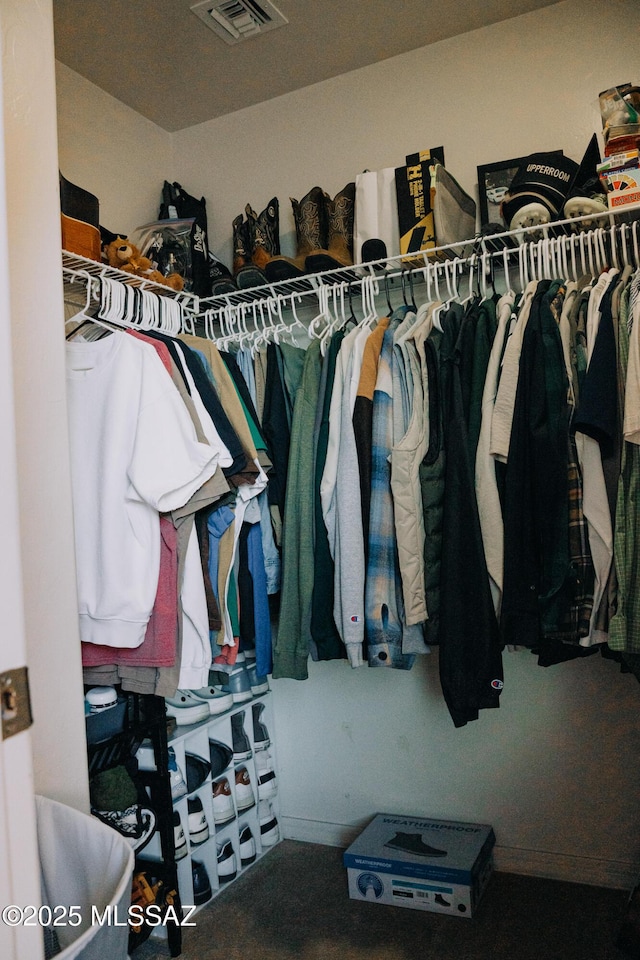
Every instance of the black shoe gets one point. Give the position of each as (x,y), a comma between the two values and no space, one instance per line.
(261,737)
(413,843)
(221,755)
(198,769)
(201,884)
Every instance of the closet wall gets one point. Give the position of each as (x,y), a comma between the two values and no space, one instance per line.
(555,770)
(35,348)
(111,150)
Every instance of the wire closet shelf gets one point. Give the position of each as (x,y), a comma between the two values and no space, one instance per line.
(588,243)
(592,242)
(87,274)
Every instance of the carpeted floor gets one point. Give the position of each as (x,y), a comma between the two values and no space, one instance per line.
(294,904)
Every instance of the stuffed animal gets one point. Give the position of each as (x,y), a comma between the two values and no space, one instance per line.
(126,256)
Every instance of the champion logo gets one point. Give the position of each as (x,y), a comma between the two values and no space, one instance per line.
(497,684)
(356,619)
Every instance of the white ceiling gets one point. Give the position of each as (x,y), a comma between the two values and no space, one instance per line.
(161,60)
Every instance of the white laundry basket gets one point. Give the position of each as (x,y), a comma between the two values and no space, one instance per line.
(87,865)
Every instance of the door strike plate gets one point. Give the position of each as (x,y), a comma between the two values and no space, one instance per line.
(15,702)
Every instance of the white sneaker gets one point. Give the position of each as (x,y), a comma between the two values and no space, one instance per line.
(223,809)
(186,709)
(247,846)
(198,826)
(269,829)
(179,839)
(245,797)
(267,782)
(227,867)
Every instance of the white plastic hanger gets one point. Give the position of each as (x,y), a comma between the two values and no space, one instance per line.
(574,264)
(505,267)
(90,292)
(437,311)
(297,323)
(370,291)
(427,271)
(593,267)
(259,326)
(471,265)
(623,244)
(533,259)
(553,272)
(613,244)
(485,270)
(339,316)
(599,252)
(562,248)
(523,266)
(255,332)
(322,318)
(208,320)
(544,258)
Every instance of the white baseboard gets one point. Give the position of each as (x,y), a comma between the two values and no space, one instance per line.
(616,874)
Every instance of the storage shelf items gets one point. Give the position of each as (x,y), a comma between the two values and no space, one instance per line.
(142,720)
(225,798)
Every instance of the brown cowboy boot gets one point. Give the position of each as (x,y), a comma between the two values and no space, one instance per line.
(310,219)
(264,233)
(246,273)
(339,249)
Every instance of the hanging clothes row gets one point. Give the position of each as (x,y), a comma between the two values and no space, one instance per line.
(168,468)
(435,457)
(428,477)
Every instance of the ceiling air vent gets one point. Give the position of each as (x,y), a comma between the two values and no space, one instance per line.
(236,20)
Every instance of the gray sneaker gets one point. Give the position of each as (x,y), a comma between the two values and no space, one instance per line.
(241,745)
(237,681)
(215,697)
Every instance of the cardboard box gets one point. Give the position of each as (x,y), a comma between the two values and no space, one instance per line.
(437,865)
(623,187)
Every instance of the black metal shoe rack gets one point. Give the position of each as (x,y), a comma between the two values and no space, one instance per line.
(145,719)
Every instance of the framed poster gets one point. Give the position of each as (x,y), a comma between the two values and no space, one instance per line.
(493,184)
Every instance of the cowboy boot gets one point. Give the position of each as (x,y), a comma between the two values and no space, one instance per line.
(310,218)
(264,235)
(339,249)
(245,272)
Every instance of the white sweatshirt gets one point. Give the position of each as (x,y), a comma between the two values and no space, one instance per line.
(134,453)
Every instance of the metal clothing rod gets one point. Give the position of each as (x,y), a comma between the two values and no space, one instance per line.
(595,240)
(258,316)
